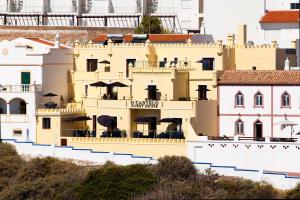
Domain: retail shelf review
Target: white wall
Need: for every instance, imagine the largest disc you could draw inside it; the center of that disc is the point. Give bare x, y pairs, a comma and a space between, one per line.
36, 150
229, 114
284, 33
252, 160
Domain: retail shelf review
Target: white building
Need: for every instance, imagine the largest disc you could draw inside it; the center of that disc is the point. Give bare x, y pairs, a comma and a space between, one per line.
252, 103
30, 68
282, 26
176, 15
223, 16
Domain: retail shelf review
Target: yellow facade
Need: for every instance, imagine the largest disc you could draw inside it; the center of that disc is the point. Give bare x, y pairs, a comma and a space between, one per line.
177, 70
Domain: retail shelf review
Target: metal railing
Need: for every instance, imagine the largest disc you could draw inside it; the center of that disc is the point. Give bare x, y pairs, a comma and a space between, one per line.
179, 64
259, 139
117, 133
24, 88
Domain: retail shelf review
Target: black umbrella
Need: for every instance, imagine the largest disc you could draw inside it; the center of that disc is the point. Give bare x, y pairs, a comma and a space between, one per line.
107, 121
171, 120
99, 84
78, 119
118, 84
50, 95
104, 62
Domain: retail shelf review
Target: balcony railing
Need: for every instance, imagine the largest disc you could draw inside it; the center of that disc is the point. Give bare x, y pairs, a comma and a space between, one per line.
179, 65
20, 88
14, 118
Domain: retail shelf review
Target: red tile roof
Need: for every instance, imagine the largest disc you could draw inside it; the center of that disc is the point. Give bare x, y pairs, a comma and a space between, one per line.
100, 38
46, 42
169, 37
283, 16
279, 77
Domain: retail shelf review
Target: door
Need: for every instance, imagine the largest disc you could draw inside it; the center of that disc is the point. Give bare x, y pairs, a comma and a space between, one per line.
258, 129
152, 127
25, 80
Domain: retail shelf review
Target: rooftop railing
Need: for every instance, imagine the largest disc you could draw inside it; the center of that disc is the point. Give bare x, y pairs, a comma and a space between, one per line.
179, 64
24, 88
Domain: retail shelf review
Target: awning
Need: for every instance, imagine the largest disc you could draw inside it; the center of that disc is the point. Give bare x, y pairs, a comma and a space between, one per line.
202, 90
99, 84
118, 84
145, 119
171, 120
50, 95
78, 118
107, 121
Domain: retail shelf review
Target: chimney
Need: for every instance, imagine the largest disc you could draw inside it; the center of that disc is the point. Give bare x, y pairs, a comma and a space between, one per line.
242, 34
57, 42
230, 39
287, 64
298, 52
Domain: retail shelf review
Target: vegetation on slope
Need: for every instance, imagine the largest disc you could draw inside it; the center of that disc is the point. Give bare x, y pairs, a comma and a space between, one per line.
172, 178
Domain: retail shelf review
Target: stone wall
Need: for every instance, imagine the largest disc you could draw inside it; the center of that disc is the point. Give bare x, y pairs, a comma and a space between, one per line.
67, 34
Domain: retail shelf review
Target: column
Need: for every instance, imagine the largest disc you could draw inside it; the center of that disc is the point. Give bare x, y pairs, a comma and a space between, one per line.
8, 109
128, 122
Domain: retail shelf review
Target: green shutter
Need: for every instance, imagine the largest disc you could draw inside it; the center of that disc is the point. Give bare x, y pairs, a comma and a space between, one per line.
25, 78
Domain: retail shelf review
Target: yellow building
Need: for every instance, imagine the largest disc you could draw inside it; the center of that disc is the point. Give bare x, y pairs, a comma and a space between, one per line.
142, 96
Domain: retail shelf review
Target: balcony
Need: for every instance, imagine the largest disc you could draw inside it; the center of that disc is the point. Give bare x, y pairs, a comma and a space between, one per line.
20, 88
183, 65
14, 118
139, 104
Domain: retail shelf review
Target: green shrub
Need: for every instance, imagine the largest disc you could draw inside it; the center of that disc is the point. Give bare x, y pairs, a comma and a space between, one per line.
294, 193
238, 188
116, 182
175, 167
42, 167
10, 161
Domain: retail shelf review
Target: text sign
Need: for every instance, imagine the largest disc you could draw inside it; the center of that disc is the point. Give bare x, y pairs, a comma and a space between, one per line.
144, 104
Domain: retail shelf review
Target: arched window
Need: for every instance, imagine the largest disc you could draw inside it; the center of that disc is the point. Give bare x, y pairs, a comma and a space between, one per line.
285, 100
258, 100
17, 106
239, 127
239, 99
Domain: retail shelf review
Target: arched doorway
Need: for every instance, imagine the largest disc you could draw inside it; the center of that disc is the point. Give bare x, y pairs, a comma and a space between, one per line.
17, 106
3, 106
258, 129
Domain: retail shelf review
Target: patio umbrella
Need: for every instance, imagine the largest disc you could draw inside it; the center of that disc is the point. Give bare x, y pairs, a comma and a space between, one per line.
118, 84
287, 122
177, 121
50, 95
104, 62
99, 84
107, 121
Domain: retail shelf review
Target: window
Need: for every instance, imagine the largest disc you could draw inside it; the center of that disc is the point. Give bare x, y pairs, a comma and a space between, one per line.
17, 132
202, 92
91, 65
152, 92
285, 100
129, 61
295, 5
86, 90
258, 100
46, 123
253, 67
208, 63
239, 127
239, 99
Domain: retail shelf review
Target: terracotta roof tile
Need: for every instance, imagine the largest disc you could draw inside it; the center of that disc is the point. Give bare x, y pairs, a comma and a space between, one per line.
100, 38
279, 77
46, 42
169, 37
283, 16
